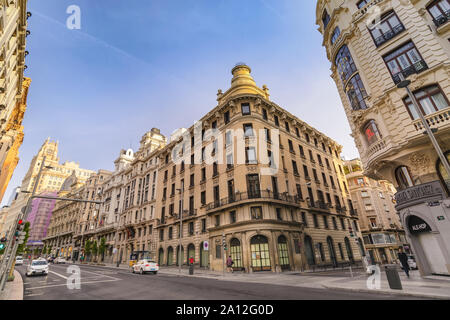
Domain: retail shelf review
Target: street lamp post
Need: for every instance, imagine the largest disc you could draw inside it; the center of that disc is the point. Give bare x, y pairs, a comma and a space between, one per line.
405, 84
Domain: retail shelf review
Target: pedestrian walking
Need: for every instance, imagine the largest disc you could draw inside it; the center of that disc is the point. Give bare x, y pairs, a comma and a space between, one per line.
230, 263
404, 261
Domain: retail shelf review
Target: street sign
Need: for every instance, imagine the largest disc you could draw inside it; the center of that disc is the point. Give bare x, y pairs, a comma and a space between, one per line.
205, 245
2, 246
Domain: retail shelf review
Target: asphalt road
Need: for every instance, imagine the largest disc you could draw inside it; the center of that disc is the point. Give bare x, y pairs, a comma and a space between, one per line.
99, 283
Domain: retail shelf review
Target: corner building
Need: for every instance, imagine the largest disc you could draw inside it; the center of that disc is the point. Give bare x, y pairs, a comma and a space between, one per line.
297, 218
369, 44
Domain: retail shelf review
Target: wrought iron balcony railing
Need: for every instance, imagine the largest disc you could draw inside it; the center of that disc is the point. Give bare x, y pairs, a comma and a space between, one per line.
417, 67
389, 35
442, 19
241, 196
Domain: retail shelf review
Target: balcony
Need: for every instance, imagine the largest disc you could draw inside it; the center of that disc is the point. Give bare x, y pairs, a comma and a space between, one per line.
340, 209
242, 196
417, 67
442, 19
376, 147
389, 35
353, 212
319, 204
435, 120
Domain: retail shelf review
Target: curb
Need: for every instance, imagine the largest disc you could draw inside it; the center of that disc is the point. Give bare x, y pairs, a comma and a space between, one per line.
384, 292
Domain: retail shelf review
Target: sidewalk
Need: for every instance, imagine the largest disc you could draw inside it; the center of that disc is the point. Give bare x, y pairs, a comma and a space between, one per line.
14, 289
432, 287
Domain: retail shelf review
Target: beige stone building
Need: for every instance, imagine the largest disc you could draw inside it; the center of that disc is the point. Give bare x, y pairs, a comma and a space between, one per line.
369, 44
73, 223
255, 178
13, 85
374, 201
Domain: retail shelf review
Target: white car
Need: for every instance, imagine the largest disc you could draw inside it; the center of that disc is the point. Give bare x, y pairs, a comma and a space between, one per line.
19, 260
59, 260
39, 266
145, 265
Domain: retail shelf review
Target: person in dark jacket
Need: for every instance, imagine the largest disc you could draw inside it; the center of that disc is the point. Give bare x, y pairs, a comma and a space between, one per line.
404, 261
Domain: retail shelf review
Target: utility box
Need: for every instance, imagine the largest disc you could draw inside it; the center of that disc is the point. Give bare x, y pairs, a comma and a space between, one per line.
393, 277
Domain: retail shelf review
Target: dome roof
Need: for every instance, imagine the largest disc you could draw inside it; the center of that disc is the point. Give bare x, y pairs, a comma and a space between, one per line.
67, 184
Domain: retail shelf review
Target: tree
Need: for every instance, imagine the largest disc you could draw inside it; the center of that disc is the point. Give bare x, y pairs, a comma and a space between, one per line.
95, 250
21, 247
102, 247
87, 248
44, 249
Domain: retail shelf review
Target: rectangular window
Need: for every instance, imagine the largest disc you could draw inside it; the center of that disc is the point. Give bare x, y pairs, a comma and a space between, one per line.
279, 217
251, 155
305, 221
217, 220
248, 130
203, 198
203, 225
286, 125
232, 216
291, 146
294, 167
226, 117
440, 11
256, 213
264, 114
218, 251
277, 122
405, 59
388, 27
245, 109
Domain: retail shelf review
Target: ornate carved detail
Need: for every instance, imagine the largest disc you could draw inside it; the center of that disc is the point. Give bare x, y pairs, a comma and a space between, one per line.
419, 162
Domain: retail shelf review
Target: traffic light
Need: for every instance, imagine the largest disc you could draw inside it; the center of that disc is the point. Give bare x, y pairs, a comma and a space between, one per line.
351, 232
2, 243
20, 234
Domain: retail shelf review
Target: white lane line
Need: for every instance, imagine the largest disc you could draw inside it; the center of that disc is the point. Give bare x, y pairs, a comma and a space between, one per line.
34, 295
59, 275
60, 285
97, 274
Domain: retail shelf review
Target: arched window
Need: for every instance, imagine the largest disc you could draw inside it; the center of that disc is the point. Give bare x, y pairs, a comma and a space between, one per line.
345, 64
356, 93
403, 178
325, 19
371, 132
283, 252
169, 256
349, 249
259, 247
431, 99
236, 254
309, 251
335, 35
442, 173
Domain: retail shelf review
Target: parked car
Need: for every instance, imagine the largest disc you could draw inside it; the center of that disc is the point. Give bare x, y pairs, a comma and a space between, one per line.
50, 259
19, 260
59, 260
36, 267
412, 262
144, 266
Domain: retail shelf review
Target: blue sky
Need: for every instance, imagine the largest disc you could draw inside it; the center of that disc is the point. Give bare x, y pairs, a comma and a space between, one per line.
138, 64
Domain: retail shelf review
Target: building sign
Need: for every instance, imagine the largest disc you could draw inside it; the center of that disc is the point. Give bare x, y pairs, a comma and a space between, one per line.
205, 245
427, 192
417, 225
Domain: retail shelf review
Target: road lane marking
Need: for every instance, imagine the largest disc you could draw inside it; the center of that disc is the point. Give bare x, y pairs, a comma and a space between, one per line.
60, 285
59, 275
82, 269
